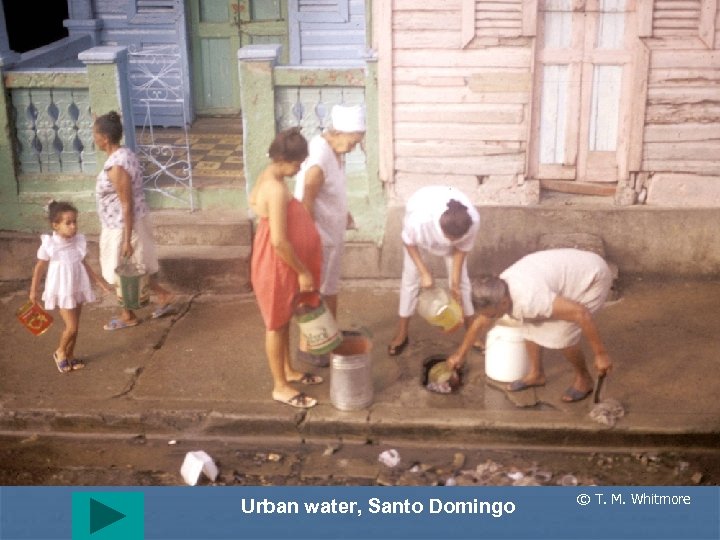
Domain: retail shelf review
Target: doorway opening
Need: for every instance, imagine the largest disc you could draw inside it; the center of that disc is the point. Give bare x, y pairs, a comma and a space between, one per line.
26, 31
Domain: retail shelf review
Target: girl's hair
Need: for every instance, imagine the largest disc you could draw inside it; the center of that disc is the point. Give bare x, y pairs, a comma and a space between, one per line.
456, 220
57, 208
289, 145
110, 125
488, 291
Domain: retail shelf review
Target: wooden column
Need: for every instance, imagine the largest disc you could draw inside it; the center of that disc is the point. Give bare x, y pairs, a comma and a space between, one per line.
382, 21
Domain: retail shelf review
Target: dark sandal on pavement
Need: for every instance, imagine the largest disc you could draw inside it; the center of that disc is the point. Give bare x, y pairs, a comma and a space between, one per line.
572, 395
520, 385
63, 365
395, 350
299, 401
309, 378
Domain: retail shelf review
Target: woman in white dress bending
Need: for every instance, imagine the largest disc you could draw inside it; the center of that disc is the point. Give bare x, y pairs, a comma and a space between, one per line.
67, 285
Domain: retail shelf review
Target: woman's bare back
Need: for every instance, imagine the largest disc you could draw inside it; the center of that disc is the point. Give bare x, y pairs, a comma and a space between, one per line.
266, 188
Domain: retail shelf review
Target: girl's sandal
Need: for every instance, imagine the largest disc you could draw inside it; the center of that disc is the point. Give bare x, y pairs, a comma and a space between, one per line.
63, 365
76, 364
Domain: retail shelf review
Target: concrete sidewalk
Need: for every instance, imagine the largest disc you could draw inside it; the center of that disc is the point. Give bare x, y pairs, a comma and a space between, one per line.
203, 372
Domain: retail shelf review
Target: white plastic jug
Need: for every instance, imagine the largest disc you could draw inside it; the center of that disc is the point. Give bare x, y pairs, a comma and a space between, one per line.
438, 308
506, 358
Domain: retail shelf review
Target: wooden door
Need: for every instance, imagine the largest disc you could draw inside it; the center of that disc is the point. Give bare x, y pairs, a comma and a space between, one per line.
215, 41
219, 28
583, 74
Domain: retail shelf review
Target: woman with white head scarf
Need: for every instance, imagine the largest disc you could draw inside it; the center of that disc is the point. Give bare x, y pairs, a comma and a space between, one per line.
322, 187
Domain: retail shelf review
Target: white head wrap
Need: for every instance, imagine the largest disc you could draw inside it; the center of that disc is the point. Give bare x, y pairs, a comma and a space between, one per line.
348, 118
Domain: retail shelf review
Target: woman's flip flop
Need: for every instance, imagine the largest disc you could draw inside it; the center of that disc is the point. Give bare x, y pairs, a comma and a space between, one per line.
299, 401
309, 378
395, 350
119, 324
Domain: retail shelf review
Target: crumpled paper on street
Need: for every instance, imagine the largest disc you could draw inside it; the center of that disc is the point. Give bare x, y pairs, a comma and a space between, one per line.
195, 464
389, 458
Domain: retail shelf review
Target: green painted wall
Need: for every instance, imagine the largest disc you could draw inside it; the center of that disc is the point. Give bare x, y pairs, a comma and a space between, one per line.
22, 202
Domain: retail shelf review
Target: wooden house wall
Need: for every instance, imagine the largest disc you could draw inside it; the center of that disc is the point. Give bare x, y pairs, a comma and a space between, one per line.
460, 102
118, 28
682, 120
461, 108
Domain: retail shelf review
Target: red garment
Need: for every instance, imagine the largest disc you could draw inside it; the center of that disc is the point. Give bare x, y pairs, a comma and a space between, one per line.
273, 280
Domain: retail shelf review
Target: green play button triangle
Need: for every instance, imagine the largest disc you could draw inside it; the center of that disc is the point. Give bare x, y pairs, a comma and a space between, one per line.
101, 516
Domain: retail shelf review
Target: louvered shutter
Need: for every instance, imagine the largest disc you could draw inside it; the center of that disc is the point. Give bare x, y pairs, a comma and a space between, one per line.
322, 10
498, 18
673, 18
155, 7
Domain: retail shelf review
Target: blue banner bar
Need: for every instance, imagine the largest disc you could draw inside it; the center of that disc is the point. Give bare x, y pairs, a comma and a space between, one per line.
285, 513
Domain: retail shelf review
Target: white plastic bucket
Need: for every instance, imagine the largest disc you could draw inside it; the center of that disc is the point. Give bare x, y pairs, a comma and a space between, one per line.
316, 323
505, 354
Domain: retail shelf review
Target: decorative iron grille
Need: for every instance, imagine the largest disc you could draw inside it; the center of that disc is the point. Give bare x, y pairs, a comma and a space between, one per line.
155, 75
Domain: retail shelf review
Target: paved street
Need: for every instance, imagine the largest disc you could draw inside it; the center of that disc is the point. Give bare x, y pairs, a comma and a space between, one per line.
136, 460
202, 375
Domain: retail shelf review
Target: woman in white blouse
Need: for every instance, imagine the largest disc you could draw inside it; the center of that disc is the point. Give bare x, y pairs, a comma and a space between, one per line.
126, 231
440, 221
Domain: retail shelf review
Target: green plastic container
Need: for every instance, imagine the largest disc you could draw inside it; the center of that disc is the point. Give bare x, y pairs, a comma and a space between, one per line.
132, 286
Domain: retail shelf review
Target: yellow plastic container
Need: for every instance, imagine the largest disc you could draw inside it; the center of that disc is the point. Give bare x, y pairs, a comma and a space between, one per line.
440, 309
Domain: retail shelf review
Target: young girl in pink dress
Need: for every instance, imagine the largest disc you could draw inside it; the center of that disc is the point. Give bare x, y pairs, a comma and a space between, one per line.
67, 285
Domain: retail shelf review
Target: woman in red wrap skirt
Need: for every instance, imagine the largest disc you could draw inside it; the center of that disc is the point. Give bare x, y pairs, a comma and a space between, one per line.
287, 258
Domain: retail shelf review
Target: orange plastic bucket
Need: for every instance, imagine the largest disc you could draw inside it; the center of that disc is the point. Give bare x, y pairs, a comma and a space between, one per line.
34, 318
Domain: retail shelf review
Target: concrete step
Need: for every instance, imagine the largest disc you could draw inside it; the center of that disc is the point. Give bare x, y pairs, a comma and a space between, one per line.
206, 251
203, 251
196, 268
202, 228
